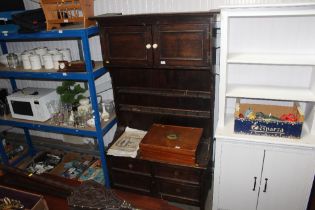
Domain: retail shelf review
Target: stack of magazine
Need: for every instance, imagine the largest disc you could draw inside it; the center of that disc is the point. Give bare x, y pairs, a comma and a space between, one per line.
128, 143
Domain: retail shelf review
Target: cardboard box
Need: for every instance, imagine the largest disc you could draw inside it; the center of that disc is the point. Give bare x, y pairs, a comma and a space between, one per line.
268, 127
72, 165
28, 200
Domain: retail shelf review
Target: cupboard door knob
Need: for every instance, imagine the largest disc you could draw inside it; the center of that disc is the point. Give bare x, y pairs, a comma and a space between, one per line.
254, 188
155, 46
148, 46
266, 183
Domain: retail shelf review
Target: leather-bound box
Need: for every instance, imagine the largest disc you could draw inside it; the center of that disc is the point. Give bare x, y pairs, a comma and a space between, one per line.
173, 144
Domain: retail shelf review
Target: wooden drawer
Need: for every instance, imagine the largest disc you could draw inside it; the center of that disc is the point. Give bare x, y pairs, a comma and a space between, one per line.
179, 192
131, 165
178, 173
134, 182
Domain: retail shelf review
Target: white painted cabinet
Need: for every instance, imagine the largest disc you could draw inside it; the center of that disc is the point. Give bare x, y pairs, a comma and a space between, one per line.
267, 55
250, 176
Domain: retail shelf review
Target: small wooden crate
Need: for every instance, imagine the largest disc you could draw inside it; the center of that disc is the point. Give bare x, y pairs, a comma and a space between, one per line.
269, 127
67, 11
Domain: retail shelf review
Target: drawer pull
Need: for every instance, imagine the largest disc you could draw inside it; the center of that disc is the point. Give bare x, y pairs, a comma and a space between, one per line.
130, 166
176, 173
178, 190
266, 183
254, 188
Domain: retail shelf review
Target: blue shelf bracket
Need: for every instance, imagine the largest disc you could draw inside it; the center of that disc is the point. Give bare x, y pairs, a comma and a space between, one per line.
4, 157
31, 150
4, 47
13, 84
92, 88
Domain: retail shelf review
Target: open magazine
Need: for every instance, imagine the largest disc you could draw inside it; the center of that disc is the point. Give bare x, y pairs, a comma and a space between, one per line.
128, 143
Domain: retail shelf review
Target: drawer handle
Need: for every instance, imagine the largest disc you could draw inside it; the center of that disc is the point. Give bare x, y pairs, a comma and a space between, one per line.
178, 190
148, 46
254, 188
130, 166
155, 46
266, 183
176, 173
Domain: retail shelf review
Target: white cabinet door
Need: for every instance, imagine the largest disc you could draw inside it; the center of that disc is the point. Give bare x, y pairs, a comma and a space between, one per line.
241, 167
290, 174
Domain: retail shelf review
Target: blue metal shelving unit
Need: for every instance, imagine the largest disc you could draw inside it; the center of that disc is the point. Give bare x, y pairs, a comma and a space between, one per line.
89, 76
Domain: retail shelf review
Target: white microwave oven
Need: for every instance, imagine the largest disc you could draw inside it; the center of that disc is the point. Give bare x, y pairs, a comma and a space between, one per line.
32, 103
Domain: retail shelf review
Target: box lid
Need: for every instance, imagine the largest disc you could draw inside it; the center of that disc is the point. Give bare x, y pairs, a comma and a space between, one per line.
176, 139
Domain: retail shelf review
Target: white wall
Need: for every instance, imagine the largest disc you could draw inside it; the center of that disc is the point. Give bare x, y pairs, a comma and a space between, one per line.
151, 6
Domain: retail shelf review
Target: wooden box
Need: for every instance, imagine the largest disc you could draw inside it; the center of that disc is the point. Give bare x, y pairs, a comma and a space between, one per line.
29, 200
59, 12
173, 144
269, 127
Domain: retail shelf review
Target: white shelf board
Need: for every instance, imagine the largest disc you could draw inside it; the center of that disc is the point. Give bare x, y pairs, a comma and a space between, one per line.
270, 92
271, 59
227, 133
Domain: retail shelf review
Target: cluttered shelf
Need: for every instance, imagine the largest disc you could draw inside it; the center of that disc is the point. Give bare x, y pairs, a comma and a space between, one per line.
53, 74
48, 126
227, 132
70, 31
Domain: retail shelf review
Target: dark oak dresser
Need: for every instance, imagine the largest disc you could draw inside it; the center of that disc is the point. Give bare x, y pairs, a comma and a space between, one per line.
161, 71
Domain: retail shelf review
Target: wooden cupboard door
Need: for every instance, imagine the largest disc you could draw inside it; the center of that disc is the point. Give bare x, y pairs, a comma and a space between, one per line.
182, 45
240, 172
127, 46
286, 180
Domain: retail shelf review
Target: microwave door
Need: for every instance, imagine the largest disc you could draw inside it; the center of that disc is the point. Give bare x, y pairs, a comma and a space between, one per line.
22, 108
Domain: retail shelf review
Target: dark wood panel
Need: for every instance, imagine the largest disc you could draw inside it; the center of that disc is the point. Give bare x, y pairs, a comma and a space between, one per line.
177, 173
126, 46
164, 79
165, 102
130, 164
165, 92
185, 45
179, 192
133, 182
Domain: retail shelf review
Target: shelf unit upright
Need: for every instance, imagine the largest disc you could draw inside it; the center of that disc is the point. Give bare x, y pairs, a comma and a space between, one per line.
267, 57
89, 76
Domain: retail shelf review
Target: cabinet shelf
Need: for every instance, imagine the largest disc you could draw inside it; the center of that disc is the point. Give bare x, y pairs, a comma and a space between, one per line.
68, 32
227, 132
46, 126
270, 92
272, 59
165, 92
166, 111
20, 73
